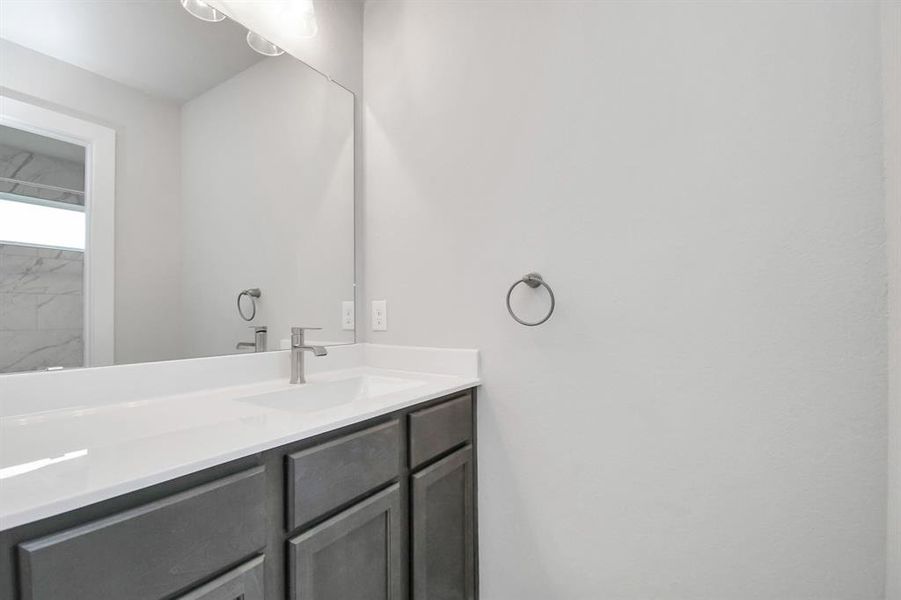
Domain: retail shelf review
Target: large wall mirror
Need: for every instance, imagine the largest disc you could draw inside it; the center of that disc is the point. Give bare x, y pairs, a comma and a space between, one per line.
166, 191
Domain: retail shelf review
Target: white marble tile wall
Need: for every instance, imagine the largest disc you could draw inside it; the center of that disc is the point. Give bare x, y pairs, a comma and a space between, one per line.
18, 163
41, 308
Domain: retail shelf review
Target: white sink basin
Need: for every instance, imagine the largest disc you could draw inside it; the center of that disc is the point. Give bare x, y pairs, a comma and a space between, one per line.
323, 395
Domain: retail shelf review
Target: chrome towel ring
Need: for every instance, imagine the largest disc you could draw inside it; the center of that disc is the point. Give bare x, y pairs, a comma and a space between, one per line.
533, 280
253, 294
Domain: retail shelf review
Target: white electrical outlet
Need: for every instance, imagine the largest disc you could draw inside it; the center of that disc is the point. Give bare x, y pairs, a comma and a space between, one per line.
379, 315
347, 315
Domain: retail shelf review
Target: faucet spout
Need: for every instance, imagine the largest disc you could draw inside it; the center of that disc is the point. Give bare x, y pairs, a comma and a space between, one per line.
260, 333
298, 348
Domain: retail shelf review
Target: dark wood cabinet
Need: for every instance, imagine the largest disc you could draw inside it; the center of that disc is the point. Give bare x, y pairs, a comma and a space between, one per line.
443, 526
329, 475
437, 429
244, 583
384, 509
355, 555
153, 550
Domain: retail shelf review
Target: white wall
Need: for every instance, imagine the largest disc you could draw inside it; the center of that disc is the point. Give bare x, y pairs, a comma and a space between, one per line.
891, 69
704, 417
147, 194
267, 187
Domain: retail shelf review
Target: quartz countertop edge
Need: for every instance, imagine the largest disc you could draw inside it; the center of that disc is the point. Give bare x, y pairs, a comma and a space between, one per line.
99, 474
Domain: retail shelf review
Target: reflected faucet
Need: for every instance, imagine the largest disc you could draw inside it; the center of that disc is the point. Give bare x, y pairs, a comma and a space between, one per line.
297, 350
260, 333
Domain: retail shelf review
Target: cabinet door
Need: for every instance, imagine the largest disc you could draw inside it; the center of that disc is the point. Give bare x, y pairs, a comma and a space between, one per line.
355, 555
244, 583
443, 527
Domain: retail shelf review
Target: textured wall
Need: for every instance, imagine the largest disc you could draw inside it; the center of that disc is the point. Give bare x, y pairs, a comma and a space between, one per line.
891, 71
704, 417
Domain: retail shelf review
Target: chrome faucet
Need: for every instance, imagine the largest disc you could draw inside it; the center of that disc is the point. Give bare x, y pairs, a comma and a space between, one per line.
260, 333
297, 350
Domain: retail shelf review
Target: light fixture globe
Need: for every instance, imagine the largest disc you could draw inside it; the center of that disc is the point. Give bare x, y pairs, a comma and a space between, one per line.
289, 19
262, 45
203, 11
307, 27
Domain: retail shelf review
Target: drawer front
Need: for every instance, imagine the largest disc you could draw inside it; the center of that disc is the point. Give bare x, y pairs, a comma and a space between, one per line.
152, 551
355, 555
439, 428
327, 476
243, 583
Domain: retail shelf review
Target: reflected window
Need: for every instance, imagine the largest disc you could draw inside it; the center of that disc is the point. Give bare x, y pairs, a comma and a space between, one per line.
42, 223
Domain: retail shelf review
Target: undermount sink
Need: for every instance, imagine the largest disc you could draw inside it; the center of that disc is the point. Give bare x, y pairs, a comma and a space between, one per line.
321, 395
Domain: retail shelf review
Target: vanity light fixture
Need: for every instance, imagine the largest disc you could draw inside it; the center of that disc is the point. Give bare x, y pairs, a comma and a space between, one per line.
262, 45
301, 18
203, 11
289, 19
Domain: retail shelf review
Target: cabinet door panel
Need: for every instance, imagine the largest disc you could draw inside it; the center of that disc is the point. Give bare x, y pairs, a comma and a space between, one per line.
243, 583
443, 527
355, 555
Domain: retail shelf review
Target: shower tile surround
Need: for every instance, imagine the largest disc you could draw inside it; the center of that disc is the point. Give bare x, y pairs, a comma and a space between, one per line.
18, 163
41, 289
41, 308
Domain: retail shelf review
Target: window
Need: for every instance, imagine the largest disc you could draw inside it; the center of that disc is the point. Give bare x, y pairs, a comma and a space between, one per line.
35, 222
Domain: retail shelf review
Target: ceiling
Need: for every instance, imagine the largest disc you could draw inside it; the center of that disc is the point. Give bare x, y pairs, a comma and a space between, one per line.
152, 45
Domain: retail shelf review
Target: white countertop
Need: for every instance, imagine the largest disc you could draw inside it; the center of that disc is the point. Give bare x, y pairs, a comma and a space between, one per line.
76, 453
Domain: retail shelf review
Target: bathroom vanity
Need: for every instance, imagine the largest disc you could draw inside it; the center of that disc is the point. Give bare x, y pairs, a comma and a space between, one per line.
175, 226
373, 498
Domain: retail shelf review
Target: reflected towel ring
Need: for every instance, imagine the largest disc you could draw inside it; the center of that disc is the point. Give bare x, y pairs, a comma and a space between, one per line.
253, 294
533, 280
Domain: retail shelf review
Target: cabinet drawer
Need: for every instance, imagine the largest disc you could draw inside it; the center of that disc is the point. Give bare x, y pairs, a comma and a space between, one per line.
439, 428
243, 583
327, 476
152, 551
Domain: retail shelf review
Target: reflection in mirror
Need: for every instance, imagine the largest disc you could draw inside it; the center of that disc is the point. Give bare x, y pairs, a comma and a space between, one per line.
165, 191
42, 240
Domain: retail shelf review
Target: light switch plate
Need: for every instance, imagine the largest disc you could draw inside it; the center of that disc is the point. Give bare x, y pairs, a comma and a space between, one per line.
379, 315
347, 315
